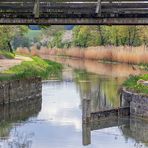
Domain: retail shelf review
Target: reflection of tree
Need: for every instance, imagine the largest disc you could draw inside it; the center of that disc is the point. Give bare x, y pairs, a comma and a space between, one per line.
16, 113
101, 90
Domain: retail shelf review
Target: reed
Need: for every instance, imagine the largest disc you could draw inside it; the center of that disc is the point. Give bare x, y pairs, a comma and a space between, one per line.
123, 54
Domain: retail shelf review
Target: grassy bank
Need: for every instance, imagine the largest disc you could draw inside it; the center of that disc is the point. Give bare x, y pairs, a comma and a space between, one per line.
6, 54
36, 67
133, 84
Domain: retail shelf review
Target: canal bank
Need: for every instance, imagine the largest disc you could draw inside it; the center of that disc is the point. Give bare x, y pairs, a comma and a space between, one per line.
60, 114
24, 79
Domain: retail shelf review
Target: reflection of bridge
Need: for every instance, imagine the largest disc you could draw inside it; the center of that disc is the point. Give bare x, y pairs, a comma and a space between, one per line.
73, 12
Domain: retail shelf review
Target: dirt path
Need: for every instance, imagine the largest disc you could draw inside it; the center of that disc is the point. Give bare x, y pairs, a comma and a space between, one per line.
8, 63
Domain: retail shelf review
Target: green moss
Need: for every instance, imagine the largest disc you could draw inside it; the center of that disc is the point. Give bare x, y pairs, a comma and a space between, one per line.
35, 68
132, 84
7, 54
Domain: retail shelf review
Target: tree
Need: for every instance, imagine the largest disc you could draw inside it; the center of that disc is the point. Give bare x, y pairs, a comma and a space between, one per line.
7, 34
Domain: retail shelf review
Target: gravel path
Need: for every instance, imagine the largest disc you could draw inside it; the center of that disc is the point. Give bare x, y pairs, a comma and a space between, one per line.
8, 63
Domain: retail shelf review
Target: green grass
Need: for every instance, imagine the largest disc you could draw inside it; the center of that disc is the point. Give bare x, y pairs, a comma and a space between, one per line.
144, 66
7, 54
131, 84
36, 68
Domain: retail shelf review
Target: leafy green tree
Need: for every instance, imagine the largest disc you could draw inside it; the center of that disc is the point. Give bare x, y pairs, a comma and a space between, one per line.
7, 34
57, 40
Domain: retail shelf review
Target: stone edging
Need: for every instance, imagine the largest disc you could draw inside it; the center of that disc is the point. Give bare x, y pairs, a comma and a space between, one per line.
137, 102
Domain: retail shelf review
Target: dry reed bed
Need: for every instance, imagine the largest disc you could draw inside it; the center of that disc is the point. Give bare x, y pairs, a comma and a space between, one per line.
130, 55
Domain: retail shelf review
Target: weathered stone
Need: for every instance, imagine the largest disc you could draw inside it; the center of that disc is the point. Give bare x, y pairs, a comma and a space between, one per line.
18, 90
138, 103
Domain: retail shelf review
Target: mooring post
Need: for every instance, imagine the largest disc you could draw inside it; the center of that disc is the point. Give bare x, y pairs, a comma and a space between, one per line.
86, 120
36, 10
86, 110
98, 8
86, 133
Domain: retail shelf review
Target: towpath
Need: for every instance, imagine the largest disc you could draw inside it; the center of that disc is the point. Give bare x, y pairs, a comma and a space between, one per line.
8, 63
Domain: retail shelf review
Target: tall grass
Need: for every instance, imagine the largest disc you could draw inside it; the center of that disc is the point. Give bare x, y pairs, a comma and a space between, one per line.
7, 54
130, 55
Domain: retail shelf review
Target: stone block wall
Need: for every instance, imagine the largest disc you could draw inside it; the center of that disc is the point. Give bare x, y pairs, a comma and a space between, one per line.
18, 90
138, 103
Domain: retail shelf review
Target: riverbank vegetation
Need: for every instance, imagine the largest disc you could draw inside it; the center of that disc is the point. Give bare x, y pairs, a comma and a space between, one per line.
134, 55
8, 34
125, 44
86, 36
35, 68
134, 83
5, 54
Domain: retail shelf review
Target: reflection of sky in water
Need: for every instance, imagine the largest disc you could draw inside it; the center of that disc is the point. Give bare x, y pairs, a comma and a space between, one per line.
58, 125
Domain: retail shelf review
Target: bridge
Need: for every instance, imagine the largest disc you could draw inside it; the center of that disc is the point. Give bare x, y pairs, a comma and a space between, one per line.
92, 12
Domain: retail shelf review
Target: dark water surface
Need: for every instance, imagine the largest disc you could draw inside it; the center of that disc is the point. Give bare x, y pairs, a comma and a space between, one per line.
55, 121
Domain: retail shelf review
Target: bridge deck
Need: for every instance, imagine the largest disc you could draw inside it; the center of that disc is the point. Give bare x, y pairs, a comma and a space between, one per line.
74, 12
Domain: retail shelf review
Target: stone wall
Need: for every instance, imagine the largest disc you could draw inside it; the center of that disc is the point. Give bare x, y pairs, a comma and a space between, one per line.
18, 90
138, 103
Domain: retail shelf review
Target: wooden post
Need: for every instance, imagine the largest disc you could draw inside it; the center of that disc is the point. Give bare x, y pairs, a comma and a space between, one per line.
86, 133
86, 110
36, 10
98, 8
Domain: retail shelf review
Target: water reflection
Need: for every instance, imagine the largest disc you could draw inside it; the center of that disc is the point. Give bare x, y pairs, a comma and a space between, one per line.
102, 90
15, 114
107, 69
131, 128
55, 121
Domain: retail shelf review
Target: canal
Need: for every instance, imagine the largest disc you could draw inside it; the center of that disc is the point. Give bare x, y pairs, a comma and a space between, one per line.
55, 120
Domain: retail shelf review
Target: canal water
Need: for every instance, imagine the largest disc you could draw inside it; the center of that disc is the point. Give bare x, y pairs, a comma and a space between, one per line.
55, 120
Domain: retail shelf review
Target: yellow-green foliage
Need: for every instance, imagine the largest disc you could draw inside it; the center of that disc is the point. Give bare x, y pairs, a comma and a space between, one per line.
132, 84
35, 68
7, 54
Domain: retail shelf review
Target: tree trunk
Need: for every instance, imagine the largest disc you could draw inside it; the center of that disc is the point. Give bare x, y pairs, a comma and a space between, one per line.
10, 47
